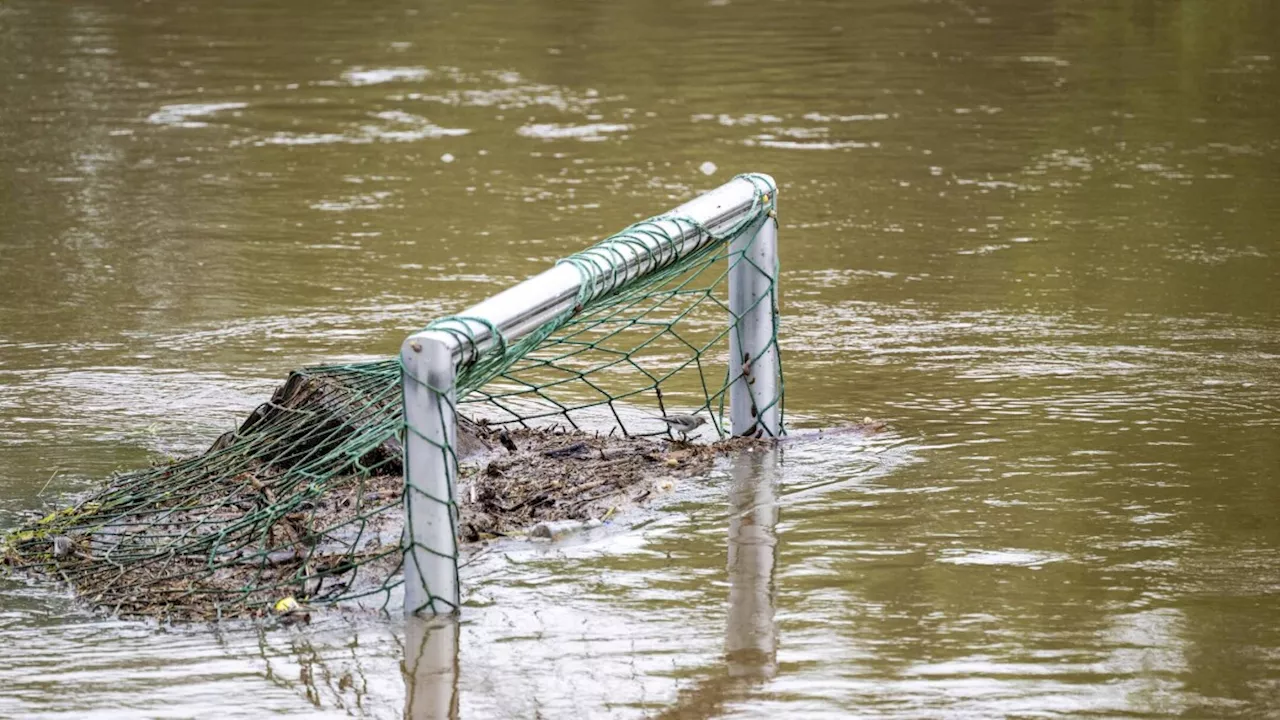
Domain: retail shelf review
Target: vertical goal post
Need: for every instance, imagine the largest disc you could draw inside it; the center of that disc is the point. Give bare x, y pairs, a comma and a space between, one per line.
741, 213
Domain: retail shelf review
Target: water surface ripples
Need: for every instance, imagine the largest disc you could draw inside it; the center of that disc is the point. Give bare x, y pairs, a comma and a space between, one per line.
1036, 240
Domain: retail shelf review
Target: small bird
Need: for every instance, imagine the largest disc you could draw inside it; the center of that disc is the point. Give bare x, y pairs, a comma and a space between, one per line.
62, 546
684, 424
504, 437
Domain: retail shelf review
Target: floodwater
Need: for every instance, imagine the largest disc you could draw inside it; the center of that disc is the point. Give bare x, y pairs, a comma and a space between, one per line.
1039, 238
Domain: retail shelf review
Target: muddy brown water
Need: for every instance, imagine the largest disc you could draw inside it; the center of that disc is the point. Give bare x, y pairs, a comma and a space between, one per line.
1038, 238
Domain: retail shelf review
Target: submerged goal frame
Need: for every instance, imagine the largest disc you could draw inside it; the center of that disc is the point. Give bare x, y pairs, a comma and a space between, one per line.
432, 358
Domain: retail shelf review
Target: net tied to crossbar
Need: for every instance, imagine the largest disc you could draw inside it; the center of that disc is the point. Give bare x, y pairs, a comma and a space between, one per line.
305, 499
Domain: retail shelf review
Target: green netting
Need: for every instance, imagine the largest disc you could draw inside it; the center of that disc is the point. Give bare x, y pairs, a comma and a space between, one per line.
304, 499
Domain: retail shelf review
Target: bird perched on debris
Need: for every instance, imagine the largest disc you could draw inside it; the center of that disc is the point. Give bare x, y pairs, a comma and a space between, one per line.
504, 437
684, 424
62, 546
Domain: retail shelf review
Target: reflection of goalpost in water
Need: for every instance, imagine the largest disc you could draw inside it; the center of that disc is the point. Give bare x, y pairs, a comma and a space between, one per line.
584, 324
432, 646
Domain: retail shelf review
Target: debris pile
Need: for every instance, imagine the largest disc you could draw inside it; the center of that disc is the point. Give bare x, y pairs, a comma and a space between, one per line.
234, 544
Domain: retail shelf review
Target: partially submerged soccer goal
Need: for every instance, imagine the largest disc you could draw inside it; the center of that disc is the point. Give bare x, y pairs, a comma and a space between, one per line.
349, 474
599, 337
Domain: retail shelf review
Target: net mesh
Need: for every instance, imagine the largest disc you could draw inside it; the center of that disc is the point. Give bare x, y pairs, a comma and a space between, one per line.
305, 499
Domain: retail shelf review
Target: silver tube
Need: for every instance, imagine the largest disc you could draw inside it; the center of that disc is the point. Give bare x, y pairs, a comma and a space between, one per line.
755, 406
431, 471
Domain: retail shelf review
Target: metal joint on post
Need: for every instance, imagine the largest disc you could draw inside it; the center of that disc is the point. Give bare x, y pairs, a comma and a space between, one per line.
755, 402
431, 473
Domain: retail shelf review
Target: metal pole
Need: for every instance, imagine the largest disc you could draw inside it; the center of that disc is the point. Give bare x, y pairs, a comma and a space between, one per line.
431, 472
755, 407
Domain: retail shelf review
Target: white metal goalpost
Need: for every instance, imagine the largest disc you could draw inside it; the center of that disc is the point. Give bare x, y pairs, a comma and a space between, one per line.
432, 358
